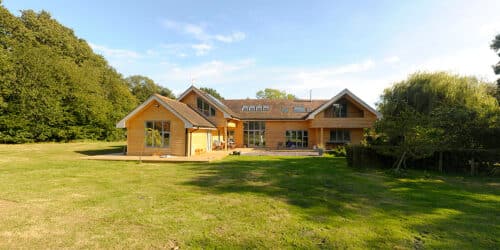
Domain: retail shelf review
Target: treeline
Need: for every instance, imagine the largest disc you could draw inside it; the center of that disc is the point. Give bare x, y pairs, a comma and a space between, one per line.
53, 87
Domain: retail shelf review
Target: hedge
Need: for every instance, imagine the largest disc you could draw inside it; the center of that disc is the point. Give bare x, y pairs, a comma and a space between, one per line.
457, 161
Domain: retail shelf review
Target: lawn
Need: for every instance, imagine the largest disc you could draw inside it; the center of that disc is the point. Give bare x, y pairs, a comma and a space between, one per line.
50, 198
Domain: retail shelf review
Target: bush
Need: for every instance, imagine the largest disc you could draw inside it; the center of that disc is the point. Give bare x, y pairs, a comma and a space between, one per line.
458, 161
339, 151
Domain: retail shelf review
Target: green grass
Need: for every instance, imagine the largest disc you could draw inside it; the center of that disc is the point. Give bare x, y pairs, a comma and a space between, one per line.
49, 198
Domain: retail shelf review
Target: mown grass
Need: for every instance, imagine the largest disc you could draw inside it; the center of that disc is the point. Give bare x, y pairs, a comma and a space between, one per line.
50, 198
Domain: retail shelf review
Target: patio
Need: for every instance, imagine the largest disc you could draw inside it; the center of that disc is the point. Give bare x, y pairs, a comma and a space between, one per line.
205, 157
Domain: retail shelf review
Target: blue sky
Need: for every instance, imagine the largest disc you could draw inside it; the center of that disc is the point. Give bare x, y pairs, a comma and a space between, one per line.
239, 47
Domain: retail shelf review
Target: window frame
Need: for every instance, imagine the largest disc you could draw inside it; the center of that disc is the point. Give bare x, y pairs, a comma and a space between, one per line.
204, 107
162, 133
340, 133
299, 138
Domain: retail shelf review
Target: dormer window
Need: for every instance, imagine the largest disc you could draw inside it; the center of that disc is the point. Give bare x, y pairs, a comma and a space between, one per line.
251, 108
299, 109
265, 107
204, 107
244, 108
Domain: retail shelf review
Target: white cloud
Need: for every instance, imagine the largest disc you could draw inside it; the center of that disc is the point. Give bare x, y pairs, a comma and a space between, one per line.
391, 59
201, 49
215, 71
115, 53
199, 32
233, 37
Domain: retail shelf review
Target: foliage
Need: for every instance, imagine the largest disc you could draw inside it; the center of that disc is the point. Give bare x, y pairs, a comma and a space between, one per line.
143, 87
212, 92
435, 111
339, 151
52, 86
454, 161
269, 93
495, 45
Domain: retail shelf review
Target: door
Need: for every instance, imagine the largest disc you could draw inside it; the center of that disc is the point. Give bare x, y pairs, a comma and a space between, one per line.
209, 141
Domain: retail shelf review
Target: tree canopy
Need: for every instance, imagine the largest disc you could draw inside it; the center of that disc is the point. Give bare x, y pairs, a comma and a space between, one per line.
269, 93
143, 87
437, 111
495, 45
53, 87
212, 92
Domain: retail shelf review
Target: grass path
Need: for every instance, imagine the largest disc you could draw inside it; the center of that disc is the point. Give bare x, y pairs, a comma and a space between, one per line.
49, 198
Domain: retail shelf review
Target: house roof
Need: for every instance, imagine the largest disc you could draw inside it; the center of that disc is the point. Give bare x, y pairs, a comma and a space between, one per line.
189, 116
228, 113
278, 109
337, 97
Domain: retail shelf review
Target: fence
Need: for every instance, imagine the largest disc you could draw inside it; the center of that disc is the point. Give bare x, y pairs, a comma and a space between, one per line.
458, 161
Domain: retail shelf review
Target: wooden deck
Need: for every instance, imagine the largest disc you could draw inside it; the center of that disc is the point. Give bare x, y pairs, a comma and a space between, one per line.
206, 157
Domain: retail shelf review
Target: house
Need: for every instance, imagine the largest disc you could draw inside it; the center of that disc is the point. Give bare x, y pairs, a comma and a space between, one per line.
197, 122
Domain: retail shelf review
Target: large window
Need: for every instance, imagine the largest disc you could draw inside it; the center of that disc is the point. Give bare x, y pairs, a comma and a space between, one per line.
254, 133
296, 138
157, 134
340, 135
204, 107
338, 109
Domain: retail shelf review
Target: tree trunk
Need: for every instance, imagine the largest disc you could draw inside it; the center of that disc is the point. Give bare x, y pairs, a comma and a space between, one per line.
440, 164
400, 161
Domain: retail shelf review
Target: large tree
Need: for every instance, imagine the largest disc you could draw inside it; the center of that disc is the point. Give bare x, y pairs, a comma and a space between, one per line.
53, 87
143, 87
212, 92
495, 45
431, 112
269, 93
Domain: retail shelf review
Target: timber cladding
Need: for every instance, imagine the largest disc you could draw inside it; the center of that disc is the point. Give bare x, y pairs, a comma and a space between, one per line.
136, 131
194, 132
275, 131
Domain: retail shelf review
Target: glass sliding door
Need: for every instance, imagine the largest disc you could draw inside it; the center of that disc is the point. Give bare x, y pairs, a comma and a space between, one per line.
296, 138
254, 133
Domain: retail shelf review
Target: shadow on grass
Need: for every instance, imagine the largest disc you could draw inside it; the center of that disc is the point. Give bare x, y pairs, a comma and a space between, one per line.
105, 151
437, 213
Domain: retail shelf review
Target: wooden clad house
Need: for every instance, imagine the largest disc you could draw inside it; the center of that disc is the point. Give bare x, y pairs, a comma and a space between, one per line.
197, 122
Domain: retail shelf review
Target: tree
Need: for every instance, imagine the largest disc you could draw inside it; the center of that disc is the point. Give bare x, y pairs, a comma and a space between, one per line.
143, 87
212, 92
431, 112
53, 87
269, 93
495, 45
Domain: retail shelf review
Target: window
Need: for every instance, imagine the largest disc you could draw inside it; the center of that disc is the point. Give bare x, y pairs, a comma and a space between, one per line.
257, 108
284, 109
204, 107
340, 135
338, 109
254, 133
296, 138
157, 134
299, 109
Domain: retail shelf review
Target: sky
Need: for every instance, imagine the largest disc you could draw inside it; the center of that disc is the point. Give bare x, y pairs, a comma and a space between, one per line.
240, 47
